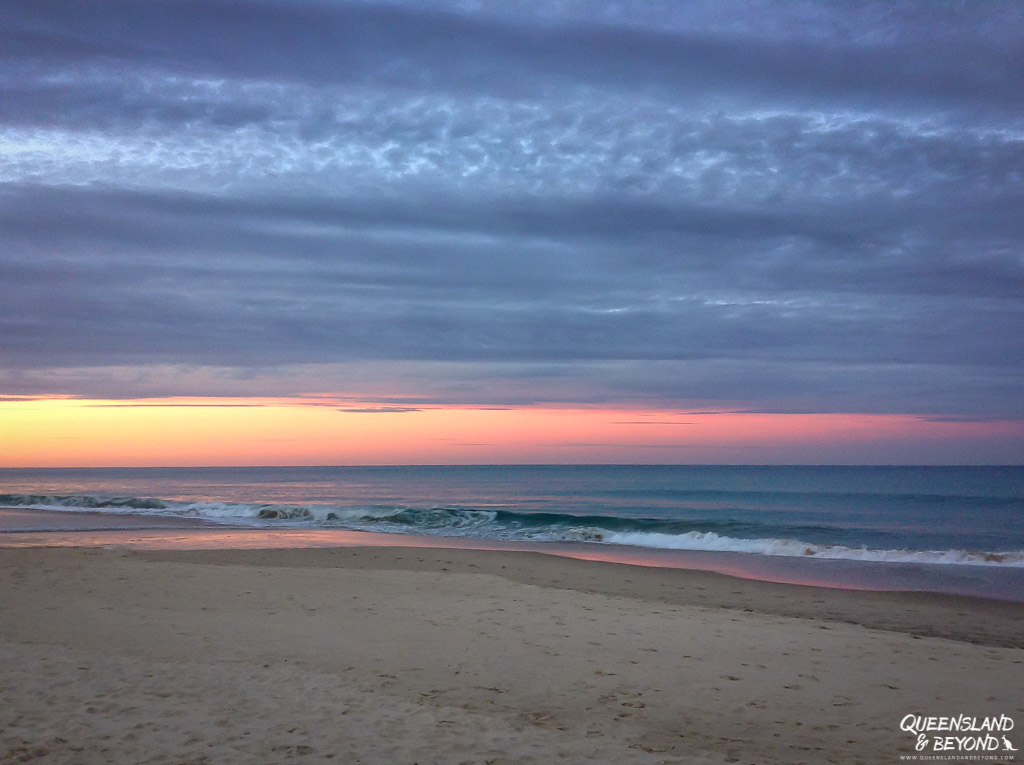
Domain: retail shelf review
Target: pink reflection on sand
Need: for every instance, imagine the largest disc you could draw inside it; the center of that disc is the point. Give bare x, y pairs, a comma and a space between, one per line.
221, 538
717, 562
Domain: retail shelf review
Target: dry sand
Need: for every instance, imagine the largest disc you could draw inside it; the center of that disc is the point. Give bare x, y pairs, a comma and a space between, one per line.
407, 655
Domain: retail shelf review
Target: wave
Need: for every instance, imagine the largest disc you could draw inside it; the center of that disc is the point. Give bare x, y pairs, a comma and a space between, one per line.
709, 541
250, 514
725, 535
80, 502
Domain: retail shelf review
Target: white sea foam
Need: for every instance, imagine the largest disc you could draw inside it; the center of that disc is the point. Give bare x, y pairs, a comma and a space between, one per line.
402, 517
457, 521
709, 541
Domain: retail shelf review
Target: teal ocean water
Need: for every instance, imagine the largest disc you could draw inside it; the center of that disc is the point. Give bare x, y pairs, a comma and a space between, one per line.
964, 516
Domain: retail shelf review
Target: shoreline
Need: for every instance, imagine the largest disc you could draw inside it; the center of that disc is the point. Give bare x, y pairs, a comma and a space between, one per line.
29, 527
747, 582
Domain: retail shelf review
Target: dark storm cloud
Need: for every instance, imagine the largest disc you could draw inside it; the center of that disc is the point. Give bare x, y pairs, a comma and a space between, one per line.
778, 206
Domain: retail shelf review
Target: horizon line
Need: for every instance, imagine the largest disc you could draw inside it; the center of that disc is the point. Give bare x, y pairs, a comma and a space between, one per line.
528, 464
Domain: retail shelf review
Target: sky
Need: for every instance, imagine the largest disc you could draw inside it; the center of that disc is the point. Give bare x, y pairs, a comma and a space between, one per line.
325, 232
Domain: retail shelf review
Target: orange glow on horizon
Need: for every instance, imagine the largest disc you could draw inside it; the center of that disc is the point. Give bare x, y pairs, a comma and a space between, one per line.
68, 432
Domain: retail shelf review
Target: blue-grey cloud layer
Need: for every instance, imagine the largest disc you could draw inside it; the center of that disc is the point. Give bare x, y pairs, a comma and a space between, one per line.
787, 206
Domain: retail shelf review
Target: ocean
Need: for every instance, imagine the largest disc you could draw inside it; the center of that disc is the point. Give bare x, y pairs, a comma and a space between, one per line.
957, 518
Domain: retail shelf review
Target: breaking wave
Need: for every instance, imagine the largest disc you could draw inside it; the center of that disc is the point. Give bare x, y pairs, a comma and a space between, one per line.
507, 524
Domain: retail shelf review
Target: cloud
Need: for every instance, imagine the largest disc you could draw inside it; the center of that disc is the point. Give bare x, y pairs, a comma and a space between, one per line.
195, 279
650, 422
408, 45
747, 386
381, 410
767, 206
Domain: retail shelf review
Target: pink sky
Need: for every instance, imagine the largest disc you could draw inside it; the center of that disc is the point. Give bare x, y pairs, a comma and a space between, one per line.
56, 431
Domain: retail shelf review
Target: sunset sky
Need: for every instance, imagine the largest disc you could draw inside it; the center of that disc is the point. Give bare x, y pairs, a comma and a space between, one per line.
325, 232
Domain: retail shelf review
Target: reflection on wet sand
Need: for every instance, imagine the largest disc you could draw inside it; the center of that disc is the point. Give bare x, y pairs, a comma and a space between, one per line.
40, 528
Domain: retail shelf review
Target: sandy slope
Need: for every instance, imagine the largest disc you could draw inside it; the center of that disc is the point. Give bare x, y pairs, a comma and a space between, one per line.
383, 655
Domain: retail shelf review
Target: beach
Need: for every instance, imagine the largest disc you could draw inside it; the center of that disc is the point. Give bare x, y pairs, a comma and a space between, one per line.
431, 655
598, 382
